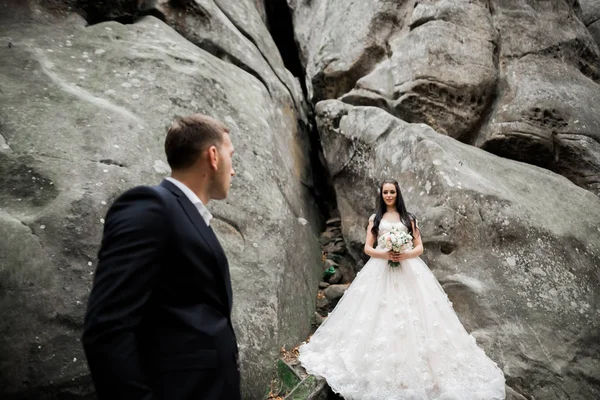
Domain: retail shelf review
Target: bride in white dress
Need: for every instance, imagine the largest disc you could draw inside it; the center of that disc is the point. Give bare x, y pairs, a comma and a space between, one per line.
394, 334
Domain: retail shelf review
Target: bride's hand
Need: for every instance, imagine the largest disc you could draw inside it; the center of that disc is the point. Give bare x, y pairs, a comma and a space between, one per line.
405, 255
393, 256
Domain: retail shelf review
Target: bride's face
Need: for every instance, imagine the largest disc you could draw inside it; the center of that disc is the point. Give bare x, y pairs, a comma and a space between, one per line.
389, 194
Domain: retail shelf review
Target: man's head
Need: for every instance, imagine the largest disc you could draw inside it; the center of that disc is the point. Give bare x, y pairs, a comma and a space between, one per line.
199, 148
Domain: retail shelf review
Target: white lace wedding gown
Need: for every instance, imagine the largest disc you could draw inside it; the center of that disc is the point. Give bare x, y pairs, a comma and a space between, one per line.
395, 336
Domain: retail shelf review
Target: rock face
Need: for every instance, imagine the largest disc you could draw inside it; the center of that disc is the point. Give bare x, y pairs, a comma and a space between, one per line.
590, 16
428, 92
516, 247
83, 115
517, 78
548, 76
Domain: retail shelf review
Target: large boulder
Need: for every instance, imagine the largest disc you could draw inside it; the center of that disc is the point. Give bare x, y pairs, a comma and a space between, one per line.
341, 41
590, 16
83, 115
518, 78
544, 111
440, 68
516, 247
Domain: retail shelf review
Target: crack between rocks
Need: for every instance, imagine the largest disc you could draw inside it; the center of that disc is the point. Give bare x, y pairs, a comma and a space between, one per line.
6, 142
423, 79
108, 161
232, 224
421, 23
593, 22
563, 135
583, 180
575, 136
212, 48
347, 162
529, 53
251, 40
38, 238
480, 214
225, 56
389, 129
578, 63
456, 111
523, 133
368, 90
434, 18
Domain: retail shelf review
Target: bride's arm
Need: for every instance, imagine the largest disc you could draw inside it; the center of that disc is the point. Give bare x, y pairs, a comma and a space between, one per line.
369, 241
417, 249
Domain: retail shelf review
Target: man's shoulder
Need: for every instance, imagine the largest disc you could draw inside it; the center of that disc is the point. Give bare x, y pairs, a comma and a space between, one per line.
141, 191
140, 202
144, 194
147, 191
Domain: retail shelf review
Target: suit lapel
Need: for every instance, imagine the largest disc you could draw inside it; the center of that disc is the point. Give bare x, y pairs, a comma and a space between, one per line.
207, 235
220, 254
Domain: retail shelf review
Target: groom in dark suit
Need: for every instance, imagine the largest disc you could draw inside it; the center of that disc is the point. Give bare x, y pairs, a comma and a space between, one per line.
158, 322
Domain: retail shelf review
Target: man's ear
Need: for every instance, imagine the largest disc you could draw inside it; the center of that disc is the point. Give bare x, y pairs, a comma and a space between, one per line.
213, 157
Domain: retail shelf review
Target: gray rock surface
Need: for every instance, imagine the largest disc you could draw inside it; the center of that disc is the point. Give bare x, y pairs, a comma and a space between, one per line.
441, 71
590, 16
341, 41
544, 111
516, 247
235, 32
83, 111
335, 292
517, 78
83, 116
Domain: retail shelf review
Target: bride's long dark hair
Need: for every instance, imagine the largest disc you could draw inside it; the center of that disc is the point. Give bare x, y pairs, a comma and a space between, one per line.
406, 217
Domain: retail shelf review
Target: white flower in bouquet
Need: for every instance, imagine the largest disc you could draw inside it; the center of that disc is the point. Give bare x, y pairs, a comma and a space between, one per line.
397, 241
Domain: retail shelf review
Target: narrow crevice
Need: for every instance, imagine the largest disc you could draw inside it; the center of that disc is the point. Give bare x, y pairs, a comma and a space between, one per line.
222, 54
348, 161
103, 11
421, 22
4, 144
249, 37
592, 22
112, 162
153, 12
95, 14
281, 27
323, 191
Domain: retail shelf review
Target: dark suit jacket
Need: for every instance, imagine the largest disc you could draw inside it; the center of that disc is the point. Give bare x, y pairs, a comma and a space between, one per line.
158, 322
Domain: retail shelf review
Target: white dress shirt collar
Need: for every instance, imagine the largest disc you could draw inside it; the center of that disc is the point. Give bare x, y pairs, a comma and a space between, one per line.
204, 213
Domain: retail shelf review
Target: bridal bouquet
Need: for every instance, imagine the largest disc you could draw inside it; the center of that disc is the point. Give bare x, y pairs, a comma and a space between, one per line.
397, 241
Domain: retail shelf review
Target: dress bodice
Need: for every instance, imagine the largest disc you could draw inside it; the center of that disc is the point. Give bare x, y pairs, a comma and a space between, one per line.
386, 226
